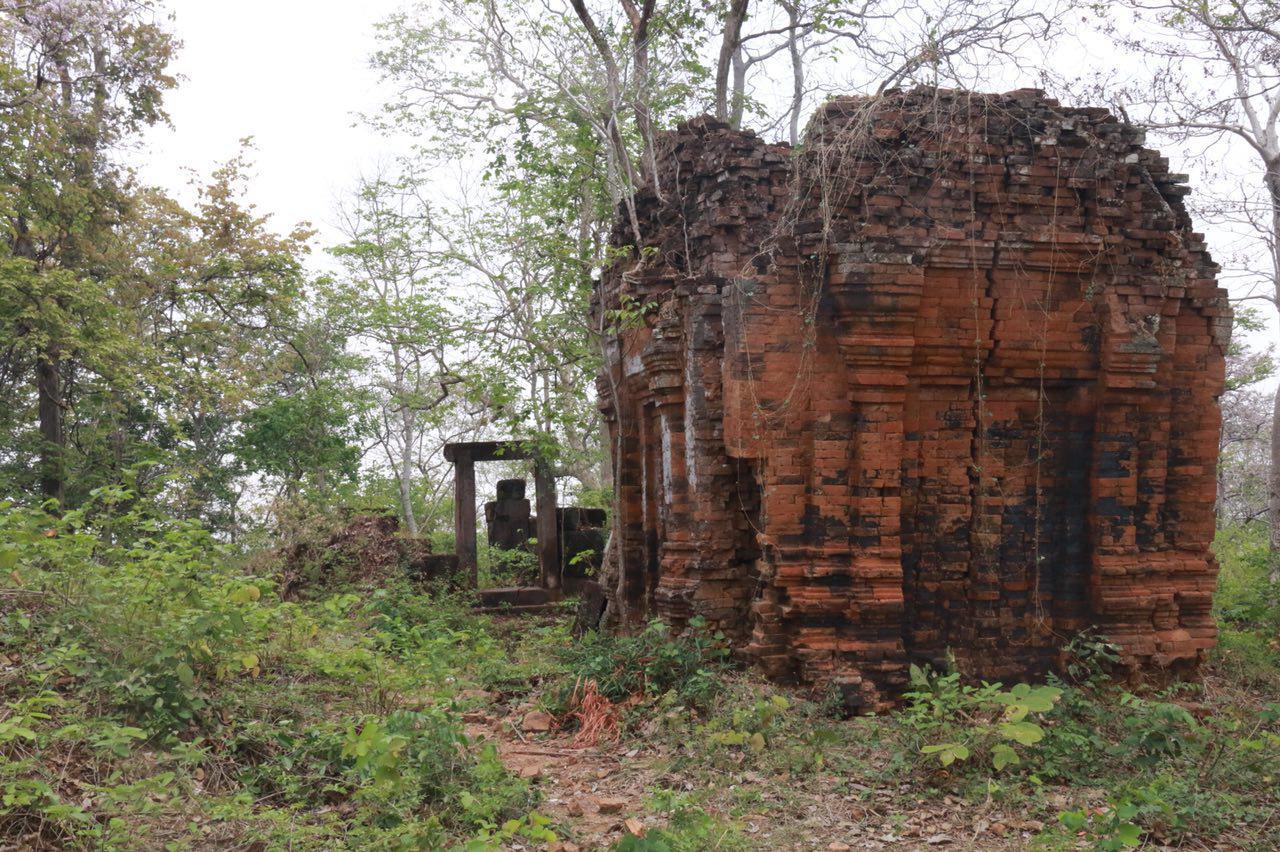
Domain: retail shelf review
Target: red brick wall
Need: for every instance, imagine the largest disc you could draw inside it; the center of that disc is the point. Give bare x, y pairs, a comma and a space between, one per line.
944, 379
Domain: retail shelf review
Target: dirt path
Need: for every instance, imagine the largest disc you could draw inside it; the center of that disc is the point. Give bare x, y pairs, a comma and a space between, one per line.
598, 794
585, 789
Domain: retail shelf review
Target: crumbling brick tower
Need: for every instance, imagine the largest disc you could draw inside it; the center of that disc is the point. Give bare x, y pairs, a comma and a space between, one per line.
945, 379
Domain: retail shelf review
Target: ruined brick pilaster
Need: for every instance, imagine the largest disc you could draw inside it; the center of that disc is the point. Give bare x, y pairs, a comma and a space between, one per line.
943, 380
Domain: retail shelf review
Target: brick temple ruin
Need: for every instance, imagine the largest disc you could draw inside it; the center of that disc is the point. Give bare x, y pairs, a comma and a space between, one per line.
943, 380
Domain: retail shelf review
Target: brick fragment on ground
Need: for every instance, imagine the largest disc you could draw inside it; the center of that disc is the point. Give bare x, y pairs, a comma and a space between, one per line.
946, 378
611, 805
537, 722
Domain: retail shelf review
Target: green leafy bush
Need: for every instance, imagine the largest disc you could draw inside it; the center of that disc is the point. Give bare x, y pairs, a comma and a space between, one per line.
749, 727
1246, 596
1171, 774
507, 567
652, 662
142, 610
1110, 829
1247, 607
983, 725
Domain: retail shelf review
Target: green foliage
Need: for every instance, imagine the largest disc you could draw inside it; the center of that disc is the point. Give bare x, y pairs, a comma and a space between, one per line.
1247, 366
751, 727
1155, 730
337, 720
532, 828
1246, 598
160, 326
1180, 775
305, 435
144, 620
996, 726
689, 829
1108, 830
171, 665
651, 663
1247, 606
1090, 657
502, 567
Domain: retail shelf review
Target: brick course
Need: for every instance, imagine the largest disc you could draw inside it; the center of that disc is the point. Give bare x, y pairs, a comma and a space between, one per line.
943, 380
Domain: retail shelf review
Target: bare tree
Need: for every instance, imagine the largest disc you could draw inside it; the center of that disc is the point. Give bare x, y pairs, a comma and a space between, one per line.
1244, 446
637, 98
875, 45
1214, 76
393, 299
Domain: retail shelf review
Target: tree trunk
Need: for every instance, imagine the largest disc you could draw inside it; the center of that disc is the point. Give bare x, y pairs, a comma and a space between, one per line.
738, 94
797, 70
1273, 482
644, 120
406, 472
52, 435
729, 43
48, 393
612, 132
407, 429
1273, 478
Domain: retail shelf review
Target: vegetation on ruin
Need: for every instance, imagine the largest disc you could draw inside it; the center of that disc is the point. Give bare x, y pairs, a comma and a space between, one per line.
196, 400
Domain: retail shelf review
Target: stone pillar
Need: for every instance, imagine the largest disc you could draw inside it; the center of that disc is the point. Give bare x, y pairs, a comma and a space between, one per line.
464, 515
507, 517
544, 485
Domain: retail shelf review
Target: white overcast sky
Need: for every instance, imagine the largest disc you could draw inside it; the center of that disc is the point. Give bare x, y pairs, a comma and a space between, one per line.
291, 74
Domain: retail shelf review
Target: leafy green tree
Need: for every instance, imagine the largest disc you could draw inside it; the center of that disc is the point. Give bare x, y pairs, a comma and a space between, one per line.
77, 79
304, 437
221, 300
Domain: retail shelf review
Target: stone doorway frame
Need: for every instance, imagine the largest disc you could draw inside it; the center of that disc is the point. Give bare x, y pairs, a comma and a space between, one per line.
463, 456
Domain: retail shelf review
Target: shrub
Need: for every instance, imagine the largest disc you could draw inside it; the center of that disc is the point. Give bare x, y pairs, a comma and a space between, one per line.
502, 567
750, 727
978, 725
143, 611
651, 663
1247, 607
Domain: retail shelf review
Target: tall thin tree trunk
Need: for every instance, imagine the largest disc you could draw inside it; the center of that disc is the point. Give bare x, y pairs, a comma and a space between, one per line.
797, 70
407, 442
1273, 501
52, 433
738, 95
729, 44
406, 472
644, 118
48, 393
1273, 479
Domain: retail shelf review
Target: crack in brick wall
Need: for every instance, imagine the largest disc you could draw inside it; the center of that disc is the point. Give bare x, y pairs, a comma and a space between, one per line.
942, 380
